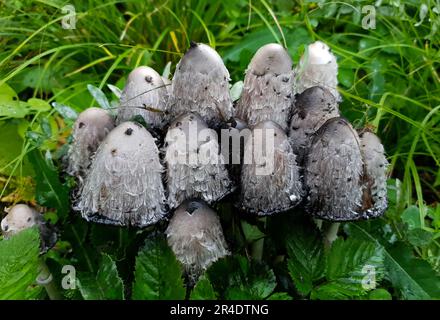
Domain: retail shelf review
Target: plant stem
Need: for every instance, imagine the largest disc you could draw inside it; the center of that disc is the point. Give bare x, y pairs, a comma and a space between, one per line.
258, 245
331, 234
45, 279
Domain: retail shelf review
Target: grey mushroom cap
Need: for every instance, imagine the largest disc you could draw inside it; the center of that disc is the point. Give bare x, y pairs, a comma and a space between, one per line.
89, 129
268, 87
196, 237
144, 95
318, 67
313, 108
270, 179
195, 166
333, 172
375, 175
201, 84
124, 185
21, 217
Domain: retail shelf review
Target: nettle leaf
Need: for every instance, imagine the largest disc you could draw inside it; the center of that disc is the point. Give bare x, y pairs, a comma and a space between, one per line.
50, 192
158, 274
19, 266
99, 96
353, 268
106, 284
237, 278
251, 232
306, 261
203, 290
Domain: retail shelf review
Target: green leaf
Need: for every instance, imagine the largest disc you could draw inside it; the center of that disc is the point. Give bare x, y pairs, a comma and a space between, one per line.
99, 96
236, 90
38, 105
158, 274
379, 294
251, 232
49, 190
115, 90
280, 296
353, 267
306, 261
411, 216
203, 290
19, 265
65, 111
106, 284
13, 108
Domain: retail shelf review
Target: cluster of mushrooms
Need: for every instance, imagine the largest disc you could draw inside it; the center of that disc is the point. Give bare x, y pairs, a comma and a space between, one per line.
128, 175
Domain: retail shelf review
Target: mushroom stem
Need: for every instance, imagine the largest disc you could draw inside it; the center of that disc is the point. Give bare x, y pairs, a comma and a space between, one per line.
331, 234
258, 245
318, 223
45, 279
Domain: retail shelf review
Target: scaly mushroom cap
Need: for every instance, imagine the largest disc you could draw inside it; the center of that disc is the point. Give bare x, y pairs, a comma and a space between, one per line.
270, 180
21, 217
201, 84
268, 87
124, 185
195, 235
90, 128
333, 172
312, 109
375, 178
195, 166
318, 67
144, 95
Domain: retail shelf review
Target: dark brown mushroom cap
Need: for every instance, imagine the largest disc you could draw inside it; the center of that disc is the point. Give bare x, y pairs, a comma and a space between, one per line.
144, 95
333, 171
124, 184
195, 166
312, 109
268, 87
195, 235
270, 180
89, 129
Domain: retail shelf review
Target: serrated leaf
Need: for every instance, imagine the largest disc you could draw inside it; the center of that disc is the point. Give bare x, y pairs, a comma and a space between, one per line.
99, 96
106, 284
280, 296
158, 274
306, 261
19, 265
203, 290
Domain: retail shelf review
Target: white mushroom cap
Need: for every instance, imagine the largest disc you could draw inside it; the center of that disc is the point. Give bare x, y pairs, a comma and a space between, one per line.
124, 185
145, 95
201, 84
20, 217
90, 128
319, 53
195, 235
268, 87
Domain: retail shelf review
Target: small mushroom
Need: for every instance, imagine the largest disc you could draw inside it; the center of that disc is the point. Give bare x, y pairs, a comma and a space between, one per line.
90, 128
318, 67
195, 235
124, 184
375, 179
144, 95
201, 84
270, 180
313, 108
21, 217
195, 166
268, 87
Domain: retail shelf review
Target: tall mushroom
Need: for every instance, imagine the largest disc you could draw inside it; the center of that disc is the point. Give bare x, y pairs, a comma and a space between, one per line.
144, 95
270, 180
268, 87
195, 235
318, 67
195, 166
201, 84
90, 128
124, 184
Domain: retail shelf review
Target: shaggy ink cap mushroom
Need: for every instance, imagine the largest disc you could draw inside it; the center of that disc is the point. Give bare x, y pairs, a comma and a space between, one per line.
21, 217
268, 87
196, 237
89, 129
124, 185
145, 95
195, 166
201, 84
270, 179
318, 67
313, 108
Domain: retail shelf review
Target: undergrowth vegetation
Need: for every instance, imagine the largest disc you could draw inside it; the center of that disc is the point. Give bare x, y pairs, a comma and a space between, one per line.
389, 80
